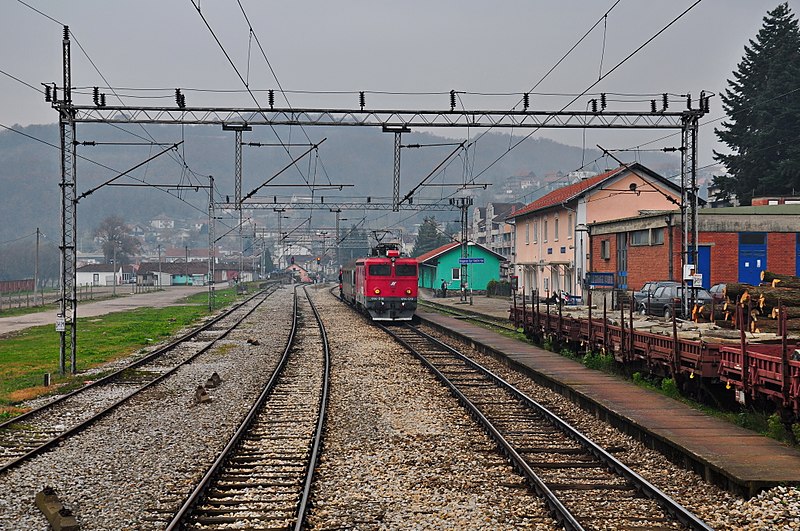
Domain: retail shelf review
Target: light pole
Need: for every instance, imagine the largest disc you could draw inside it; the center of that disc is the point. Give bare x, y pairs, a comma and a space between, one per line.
580, 257
159, 266
114, 271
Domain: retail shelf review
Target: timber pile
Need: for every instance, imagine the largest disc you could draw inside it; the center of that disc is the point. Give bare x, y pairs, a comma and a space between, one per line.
762, 304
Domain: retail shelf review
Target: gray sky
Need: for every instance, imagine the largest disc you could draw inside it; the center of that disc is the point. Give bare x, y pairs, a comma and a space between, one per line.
350, 45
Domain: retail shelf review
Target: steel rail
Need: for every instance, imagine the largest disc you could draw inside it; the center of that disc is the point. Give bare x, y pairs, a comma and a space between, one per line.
182, 516
303, 506
465, 315
150, 357
112, 407
673, 508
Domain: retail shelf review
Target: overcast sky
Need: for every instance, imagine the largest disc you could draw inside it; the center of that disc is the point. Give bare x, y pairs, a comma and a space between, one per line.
406, 47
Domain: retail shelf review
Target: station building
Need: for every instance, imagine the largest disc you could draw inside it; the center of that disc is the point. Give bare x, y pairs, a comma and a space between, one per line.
551, 242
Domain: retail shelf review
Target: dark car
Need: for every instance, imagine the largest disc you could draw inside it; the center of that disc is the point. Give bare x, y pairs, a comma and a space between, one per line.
665, 298
640, 297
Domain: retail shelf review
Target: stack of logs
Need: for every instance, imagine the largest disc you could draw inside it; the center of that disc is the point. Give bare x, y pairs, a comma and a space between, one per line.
762, 304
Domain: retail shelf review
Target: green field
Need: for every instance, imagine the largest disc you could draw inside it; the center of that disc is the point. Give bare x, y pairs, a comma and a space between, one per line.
27, 355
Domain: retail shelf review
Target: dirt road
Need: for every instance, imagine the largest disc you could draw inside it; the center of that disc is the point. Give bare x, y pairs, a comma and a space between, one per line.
155, 299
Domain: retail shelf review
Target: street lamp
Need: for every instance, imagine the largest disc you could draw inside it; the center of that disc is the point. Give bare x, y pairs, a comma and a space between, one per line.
581, 229
115, 242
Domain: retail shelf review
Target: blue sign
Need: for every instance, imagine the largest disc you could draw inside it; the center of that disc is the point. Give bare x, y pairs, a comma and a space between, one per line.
470, 260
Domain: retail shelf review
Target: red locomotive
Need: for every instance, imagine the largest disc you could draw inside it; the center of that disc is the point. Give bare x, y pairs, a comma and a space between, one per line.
383, 285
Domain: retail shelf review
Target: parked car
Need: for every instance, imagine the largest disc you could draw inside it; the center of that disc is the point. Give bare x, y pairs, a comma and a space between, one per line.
717, 291
665, 298
649, 288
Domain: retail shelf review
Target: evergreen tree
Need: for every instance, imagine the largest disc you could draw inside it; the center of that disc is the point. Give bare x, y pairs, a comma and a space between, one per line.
429, 237
763, 106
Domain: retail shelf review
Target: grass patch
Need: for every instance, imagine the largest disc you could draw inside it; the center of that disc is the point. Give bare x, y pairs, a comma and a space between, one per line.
27, 355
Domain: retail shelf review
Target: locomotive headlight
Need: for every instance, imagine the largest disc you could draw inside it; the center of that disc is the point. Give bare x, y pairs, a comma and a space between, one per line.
408, 291
377, 291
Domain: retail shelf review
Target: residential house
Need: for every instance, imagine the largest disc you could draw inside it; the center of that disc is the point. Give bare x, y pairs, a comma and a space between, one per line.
551, 233
103, 275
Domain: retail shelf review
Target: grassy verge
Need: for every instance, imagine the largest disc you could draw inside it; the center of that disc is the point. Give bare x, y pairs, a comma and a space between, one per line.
26, 356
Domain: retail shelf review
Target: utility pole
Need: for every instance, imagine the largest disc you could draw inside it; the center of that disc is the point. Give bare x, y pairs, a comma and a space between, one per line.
211, 251
159, 266
280, 212
114, 270
463, 203
36, 269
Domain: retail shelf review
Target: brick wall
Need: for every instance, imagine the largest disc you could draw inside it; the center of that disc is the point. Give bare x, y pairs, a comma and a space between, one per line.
724, 255
781, 253
651, 262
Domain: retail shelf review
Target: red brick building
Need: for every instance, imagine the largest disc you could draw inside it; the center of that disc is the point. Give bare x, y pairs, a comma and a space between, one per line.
734, 245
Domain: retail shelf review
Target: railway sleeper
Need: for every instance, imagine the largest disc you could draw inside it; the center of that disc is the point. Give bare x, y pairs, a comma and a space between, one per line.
222, 485
571, 464
591, 486
546, 450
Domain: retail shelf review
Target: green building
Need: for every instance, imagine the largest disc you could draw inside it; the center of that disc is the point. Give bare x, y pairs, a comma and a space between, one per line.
444, 264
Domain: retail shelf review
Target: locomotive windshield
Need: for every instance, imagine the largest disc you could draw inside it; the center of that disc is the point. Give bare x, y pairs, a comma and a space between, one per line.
380, 270
406, 270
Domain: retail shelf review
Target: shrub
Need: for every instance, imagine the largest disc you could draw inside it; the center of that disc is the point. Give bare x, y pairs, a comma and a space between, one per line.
796, 432
775, 428
599, 361
638, 379
670, 388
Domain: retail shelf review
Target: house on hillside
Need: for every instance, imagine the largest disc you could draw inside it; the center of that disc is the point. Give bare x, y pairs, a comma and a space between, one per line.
444, 263
490, 229
551, 242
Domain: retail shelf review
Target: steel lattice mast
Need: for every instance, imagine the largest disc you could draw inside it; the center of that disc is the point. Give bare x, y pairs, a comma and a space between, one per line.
66, 323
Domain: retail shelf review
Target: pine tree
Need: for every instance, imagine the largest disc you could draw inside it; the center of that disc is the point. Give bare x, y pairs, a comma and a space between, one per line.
429, 237
762, 102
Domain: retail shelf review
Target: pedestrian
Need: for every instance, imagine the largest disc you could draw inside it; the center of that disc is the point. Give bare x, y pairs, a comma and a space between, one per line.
444, 289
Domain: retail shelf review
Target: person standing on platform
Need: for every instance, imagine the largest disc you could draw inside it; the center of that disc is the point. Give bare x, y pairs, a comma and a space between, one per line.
444, 289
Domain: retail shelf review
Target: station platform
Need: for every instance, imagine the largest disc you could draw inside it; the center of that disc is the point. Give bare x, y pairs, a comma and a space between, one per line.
736, 459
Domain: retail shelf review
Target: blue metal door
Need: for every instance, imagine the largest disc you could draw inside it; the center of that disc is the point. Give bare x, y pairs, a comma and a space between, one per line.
752, 256
704, 264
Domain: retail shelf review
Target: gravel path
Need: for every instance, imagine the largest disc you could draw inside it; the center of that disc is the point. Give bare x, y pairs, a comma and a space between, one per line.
134, 468
400, 453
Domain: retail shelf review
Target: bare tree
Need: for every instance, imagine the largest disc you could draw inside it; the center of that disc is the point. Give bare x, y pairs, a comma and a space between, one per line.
115, 236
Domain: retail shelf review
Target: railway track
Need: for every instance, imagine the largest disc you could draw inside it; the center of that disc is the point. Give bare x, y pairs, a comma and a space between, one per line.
262, 479
40, 429
583, 485
466, 315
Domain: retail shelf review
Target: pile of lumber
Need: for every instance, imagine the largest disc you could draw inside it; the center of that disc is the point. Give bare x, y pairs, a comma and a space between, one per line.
762, 304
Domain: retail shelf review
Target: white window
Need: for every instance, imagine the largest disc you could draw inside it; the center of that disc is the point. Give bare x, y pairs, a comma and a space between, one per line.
657, 236
605, 250
535, 231
527, 233
570, 227
555, 229
456, 273
544, 232
640, 237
